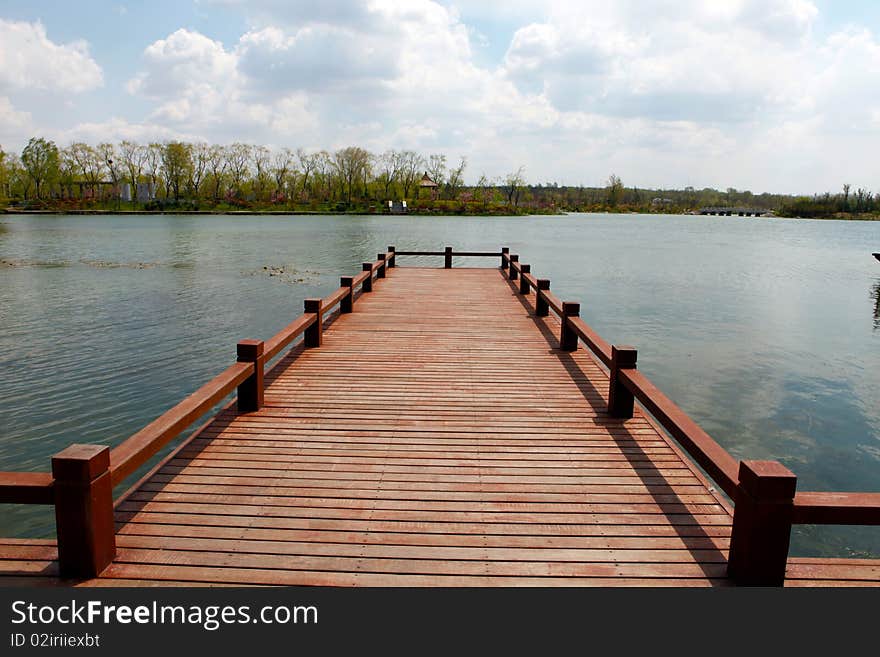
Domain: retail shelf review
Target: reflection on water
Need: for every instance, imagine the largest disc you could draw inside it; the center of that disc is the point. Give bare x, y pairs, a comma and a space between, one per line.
757, 328
875, 297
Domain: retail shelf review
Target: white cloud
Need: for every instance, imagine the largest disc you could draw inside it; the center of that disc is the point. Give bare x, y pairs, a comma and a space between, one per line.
13, 123
30, 60
666, 93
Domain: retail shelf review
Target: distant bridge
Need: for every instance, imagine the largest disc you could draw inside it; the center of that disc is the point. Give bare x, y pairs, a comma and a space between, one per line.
734, 211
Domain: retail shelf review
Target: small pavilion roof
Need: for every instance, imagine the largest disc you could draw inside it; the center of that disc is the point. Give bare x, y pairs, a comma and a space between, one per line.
427, 182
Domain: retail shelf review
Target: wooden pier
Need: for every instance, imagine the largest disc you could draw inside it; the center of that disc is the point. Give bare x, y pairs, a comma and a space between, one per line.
433, 427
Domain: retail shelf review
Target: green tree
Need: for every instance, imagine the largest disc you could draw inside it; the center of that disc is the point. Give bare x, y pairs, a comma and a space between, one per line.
350, 164
176, 165
41, 160
614, 191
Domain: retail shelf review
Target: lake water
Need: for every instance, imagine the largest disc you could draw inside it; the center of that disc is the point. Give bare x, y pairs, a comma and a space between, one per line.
766, 331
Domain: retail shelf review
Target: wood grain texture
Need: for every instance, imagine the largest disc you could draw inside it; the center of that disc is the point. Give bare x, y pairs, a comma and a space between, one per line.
438, 437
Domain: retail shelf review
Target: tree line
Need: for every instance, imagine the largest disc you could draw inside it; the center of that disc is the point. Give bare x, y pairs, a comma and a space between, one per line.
199, 175
211, 173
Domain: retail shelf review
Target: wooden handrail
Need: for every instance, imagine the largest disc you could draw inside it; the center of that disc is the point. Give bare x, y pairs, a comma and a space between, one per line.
288, 334
142, 446
329, 301
711, 456
816, 508
139, 448
596, 344
26, 488
471, 254
745, 482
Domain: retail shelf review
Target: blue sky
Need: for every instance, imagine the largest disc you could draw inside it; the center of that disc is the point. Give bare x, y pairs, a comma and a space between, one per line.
769, 95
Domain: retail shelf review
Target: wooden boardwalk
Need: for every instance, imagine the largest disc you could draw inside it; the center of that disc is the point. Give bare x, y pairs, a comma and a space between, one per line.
437, 437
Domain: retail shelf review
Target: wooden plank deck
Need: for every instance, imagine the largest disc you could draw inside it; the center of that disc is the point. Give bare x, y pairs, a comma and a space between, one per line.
437, 437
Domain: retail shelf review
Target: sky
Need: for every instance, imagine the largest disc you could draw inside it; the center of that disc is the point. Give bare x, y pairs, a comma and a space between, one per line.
768, 95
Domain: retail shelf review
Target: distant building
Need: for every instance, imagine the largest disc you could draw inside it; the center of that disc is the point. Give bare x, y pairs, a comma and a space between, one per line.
125, 192
427, 183
146, 192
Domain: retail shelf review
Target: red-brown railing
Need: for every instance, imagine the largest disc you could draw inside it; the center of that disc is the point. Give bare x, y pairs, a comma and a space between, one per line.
765, 502
80, 485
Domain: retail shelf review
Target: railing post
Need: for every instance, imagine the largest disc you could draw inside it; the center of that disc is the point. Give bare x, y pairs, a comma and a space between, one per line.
391, 263
505, 251
368, 281
620, 399
83, 510
513, 274
380, 270
447, 261
762, 515
523, 283
250, 392
314, 334
568, 339
542, 308
347, 302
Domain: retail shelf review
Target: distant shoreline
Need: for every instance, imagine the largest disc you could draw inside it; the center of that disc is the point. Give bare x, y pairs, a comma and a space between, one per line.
417, 213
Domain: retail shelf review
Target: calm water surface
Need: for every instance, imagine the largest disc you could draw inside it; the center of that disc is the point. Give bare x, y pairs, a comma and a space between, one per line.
766, 331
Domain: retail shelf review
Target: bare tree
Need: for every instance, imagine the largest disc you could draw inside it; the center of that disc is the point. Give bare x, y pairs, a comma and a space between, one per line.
89, 163
237, 158
513, 186
134, 156
410, 166
217, 166
200, 154
437, 168
280, 168
349, 164
389, 164
113, 164
322, 171
456, 178
261, 157
307, 164
155, 151
67, 169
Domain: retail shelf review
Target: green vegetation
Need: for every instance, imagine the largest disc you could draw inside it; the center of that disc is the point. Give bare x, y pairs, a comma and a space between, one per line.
859, 205
198, 177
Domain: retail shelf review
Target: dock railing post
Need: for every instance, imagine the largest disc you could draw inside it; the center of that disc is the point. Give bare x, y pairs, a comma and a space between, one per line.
513, 274
568, 339
542, 308
368, 281
313, 335
83, 510
347, 302
250, 392
391, 263
620, 399
505, 252
762, 518
380, 271
447, 260
523, 283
